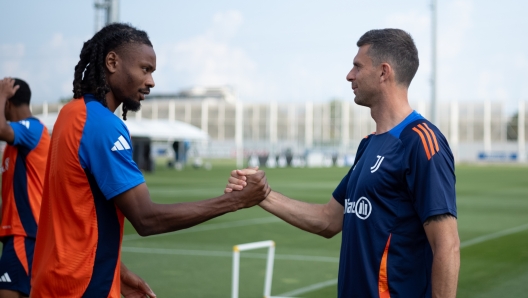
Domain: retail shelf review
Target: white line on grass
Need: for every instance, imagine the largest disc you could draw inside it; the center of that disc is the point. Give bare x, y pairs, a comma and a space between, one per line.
213, 253
181, 252
493, 236
211, 227
309, 288
264, 220
464, 244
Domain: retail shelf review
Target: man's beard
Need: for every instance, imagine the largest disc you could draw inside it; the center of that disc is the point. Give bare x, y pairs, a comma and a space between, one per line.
131, 105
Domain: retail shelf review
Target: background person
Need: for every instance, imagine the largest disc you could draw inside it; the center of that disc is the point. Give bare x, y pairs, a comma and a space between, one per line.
23, 168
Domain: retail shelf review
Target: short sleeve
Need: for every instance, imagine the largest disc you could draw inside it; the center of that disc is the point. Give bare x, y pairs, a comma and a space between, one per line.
339, 193
107, 155
27, 133
430, 173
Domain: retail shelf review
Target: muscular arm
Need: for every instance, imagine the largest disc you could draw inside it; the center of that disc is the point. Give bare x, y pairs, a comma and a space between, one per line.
149, 218
322, 219
442, 234
7, 90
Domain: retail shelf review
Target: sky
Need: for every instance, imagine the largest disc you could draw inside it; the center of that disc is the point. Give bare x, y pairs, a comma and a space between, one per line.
283, 51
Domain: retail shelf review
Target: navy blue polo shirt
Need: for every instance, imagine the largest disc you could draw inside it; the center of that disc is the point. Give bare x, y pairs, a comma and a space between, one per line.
398, 180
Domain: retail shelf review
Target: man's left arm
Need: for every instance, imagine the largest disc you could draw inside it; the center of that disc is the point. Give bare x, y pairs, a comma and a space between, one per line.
442, 233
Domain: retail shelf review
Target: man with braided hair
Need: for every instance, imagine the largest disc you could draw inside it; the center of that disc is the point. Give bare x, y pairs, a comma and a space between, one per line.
92, 182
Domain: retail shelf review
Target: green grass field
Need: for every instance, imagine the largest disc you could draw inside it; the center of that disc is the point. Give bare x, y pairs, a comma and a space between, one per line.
493, 226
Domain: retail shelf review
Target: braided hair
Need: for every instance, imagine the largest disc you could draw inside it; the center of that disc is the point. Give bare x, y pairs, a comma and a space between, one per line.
90, 75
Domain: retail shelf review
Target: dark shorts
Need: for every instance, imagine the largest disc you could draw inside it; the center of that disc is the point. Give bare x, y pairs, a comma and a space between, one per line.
15, 263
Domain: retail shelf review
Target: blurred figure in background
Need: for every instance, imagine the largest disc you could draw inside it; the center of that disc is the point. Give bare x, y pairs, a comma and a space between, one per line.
23, 169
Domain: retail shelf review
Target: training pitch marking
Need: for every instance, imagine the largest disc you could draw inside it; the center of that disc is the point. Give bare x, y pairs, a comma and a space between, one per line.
492, 236
213, 253
299, 291
464, 244
310, 288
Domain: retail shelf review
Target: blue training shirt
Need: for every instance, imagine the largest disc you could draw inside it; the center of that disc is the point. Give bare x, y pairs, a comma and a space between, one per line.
398, 180
106, 150
78, 247
27, 132
23, 170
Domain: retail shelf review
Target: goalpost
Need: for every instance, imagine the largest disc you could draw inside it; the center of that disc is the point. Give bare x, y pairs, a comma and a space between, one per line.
269, 265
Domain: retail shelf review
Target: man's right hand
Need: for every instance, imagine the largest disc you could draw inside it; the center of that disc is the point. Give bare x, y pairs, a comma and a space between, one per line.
255, 187
7, 89
322, 219
238, 179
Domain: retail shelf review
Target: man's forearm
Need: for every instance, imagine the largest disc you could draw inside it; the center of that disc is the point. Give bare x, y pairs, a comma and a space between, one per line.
3, 120
446, 264
165, 218
313, 218
149, 218
6, 132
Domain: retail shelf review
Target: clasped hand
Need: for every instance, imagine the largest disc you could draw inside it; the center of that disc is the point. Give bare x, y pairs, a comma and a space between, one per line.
250, 185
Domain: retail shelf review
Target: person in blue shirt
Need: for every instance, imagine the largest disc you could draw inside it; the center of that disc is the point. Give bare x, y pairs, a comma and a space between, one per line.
396, 206
23, 169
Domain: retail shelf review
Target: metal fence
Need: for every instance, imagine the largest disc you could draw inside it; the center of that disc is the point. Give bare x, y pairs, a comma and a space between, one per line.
476, 131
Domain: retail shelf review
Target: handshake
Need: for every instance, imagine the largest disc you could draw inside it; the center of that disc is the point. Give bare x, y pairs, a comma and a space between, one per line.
248, 187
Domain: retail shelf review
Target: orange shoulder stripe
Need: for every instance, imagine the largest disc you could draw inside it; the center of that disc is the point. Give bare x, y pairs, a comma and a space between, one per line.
428, 139
383, 281
423, 142
434, 137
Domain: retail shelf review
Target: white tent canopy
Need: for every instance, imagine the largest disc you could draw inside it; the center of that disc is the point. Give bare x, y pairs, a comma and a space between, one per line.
156, 130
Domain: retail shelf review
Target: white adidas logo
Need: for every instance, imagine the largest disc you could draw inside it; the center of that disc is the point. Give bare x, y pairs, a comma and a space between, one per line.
5, 278
120, 144
25, 123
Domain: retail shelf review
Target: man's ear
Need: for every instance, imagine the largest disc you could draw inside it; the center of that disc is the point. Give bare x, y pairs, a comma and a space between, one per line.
111, 61
386, 72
